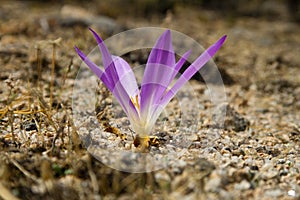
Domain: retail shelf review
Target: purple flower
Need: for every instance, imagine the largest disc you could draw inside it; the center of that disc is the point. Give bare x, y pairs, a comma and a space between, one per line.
144, 105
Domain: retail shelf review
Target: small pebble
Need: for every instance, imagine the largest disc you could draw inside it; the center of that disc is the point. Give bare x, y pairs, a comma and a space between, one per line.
243, 185
292, 193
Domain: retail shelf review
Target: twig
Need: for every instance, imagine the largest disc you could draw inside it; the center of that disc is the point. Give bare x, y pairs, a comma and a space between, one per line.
52, 74
54, 44
11, 121
67, 72
23, 170
38, 129
60, 131
39, 67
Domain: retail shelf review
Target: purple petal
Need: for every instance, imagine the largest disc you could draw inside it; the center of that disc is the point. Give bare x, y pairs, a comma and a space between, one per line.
110, 70
126, 76
114, 70
125, 101
125, 88
160, 83
193, 68
180, 63
94, 68
163, 52
159, 87
107, 59
158, 72
152, 90
110, 77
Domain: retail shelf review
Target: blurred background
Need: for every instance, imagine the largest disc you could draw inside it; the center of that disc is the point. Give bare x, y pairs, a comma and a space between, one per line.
271, 9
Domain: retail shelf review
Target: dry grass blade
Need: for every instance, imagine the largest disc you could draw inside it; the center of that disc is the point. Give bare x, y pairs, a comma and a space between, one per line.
52, 74
23, 170
60, 131
39, 66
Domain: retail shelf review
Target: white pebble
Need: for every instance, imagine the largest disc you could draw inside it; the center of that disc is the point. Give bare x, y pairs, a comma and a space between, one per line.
292, 193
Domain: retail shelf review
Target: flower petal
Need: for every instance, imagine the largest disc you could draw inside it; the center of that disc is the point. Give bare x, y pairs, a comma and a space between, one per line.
193, 68
95, 69
163, 52
125, 87
156, 89
107, 59
159, 69
108, 63
180, 63
126, 76
153, 89
116, 77
125, 101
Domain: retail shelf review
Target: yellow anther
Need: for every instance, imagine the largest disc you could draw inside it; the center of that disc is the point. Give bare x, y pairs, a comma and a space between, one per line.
135, 101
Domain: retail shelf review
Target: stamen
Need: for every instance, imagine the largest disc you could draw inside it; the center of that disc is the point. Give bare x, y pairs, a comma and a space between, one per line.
135, 101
